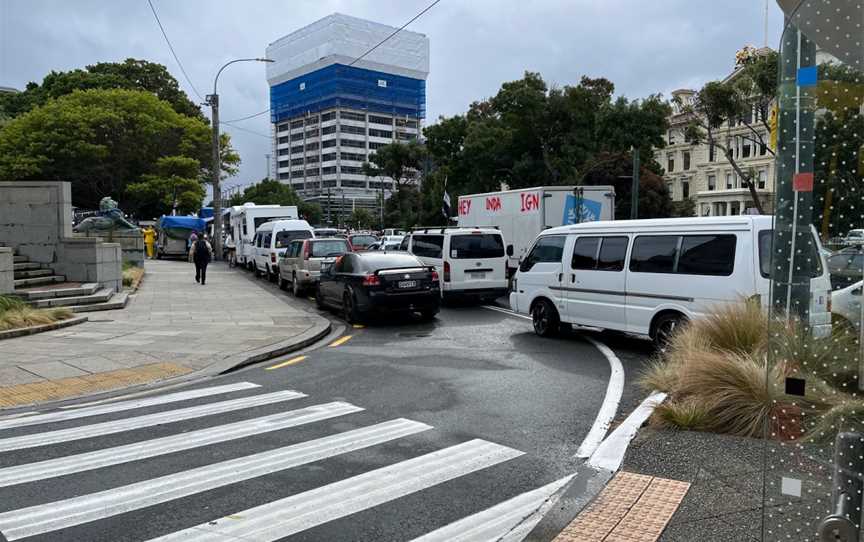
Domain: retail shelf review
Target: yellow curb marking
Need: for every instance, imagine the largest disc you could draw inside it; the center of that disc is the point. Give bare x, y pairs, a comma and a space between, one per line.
65, 388
631, 507
340, 341
291, 361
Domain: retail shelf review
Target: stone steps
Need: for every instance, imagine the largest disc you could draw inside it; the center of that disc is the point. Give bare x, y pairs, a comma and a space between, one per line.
101, 296
38, 281
20, 259
33, 273
25, 266
117, 301
60, 290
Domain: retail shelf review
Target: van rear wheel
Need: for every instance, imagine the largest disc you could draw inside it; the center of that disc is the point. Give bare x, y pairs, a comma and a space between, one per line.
665, 329
545, 318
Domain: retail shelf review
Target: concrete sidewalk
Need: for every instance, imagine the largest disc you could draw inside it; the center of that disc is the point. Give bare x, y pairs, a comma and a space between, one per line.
171, 327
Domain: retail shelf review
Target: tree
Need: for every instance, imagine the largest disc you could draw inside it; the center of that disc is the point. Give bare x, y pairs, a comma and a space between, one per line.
402, 162
361, 219
719, 106
101, 141
131, 74
654, 198
267, 192
175, 180
401, 209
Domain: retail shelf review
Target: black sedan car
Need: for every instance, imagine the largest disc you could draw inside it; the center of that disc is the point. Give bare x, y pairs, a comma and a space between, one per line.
362, 284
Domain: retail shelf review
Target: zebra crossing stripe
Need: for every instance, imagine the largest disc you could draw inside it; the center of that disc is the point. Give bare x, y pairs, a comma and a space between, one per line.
123, 405
127, 424
49, 517
294, 514
498, 521
136, 451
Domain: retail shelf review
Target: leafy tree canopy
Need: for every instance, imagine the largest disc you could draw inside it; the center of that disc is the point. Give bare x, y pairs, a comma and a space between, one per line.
273, 192
402, 162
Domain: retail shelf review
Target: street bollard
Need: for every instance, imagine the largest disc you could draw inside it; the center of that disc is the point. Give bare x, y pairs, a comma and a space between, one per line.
844, 524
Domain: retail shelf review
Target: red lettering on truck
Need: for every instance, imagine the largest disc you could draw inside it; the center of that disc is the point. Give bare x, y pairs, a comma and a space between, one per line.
530, 201
464, 207
493, 204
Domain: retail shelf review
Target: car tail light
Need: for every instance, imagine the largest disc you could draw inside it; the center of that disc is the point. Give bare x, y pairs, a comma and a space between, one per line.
307, 250
446, 271
434, 276
828, 302
273, 257
371, 280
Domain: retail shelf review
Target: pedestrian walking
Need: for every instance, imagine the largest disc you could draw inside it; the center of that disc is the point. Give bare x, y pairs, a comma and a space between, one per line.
202, 253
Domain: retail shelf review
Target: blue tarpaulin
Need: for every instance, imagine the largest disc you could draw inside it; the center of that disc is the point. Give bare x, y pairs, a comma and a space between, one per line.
181, 227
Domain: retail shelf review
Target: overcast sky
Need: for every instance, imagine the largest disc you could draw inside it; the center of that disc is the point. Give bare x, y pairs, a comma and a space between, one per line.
642, 47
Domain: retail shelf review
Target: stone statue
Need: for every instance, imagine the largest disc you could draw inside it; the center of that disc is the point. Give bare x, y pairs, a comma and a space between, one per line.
110, 218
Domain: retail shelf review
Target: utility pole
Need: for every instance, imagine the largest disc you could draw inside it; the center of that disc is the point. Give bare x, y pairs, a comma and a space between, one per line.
268, 166
213, 102
634, 191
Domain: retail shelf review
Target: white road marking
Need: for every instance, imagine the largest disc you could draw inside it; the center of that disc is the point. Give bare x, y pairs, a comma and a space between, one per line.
495, 522
609, 408
128, 424
124, 405
506, 311
294, 514
610, 453
49, 517
136, 451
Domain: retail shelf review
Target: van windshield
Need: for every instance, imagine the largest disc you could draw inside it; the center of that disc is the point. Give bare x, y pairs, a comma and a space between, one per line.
475, 246
262, 219
765, 241
284, 237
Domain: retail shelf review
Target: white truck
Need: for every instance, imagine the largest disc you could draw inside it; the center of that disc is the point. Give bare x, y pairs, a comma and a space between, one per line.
522, 214
245, 220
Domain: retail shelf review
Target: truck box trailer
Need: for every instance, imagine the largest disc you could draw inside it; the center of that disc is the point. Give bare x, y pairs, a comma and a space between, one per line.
522, 214
245, 220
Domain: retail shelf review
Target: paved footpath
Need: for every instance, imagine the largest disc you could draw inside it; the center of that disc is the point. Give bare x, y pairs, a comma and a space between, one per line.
171, 327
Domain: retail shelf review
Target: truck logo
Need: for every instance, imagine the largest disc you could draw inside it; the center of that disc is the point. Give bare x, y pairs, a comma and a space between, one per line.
530, 202
493, 204
464, 207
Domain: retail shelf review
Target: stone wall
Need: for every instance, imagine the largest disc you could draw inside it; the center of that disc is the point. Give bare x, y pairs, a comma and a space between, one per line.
87, 259
7, 270
34, 217
132, 245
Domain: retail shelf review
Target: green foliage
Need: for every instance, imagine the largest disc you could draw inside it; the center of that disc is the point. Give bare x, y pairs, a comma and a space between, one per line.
361, 219
401, 209
100, 141
267, 192
131, 74
311, 212
615, 169
175, 177
402, 162
8, 303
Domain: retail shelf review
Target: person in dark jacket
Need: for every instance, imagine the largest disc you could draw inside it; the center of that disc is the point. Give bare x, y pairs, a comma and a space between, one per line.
202, 253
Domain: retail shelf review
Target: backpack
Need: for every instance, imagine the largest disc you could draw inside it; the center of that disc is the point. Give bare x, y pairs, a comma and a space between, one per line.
202, 253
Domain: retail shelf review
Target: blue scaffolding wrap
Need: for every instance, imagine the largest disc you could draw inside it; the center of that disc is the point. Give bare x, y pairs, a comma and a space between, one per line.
349, 87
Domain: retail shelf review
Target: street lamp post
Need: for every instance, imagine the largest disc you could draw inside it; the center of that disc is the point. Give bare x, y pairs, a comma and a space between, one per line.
213, 102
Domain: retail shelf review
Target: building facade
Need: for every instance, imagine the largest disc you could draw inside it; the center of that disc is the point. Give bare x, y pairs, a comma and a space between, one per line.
330, 111
702, 173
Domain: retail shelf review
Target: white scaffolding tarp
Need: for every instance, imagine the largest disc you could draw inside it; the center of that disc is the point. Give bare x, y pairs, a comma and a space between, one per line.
340, 39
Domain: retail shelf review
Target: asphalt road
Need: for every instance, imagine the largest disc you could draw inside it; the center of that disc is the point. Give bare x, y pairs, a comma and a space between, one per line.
501, 411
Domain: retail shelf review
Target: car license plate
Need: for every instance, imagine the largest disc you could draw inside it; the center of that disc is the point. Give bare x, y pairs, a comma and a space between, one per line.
478, 276
407, 284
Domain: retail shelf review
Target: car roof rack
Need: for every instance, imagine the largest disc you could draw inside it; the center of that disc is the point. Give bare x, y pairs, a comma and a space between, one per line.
442, 229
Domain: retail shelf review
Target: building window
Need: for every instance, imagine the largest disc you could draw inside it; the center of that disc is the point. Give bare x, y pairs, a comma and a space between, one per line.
296, 172
312, 159
763, 148
349, 115
297, 137
763, 179
357, 130
377, 185
282, 127
353, 184
297, 149
312, 172
312, 133
686, 160
711, 152
329, 184
354, 170
284, 163
745, 149
328, 130
297, 124
283, 152
670, 163
671, 190
284, 176
302, 86
381, 133
297, 162
376, 146
328, 170
353, 143
728, 181
685, 189
373, 119
284, 139
328, 157
671, 137
407, 136
329, 143
352, 156
311, 121
312, 146
406, 123
712, 182
328, 116
382, 83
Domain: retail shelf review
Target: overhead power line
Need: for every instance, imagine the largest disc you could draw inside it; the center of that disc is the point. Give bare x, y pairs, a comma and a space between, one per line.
377, 45
173, 53
228, 123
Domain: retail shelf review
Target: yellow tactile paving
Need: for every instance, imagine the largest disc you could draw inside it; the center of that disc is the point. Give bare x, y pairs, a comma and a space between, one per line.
631, 508
64, 388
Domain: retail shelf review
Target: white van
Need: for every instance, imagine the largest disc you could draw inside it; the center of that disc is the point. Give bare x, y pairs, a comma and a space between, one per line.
271, 240
470, 261
244, 222
647, 276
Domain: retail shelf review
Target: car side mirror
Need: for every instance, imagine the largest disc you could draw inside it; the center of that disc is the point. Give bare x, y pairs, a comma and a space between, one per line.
510, 250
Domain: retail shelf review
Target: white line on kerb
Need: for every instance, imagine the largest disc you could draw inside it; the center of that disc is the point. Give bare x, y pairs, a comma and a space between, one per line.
610, 453
506, 311
610, 403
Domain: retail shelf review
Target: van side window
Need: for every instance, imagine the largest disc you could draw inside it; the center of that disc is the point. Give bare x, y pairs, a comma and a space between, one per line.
585, 253
654, 253
428, 246
549, 249
613, 251
257, 240
765, 242
267, 238
707, 255
245, 230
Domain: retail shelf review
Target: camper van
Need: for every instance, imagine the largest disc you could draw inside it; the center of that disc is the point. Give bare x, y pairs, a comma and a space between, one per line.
648, 276
246, 219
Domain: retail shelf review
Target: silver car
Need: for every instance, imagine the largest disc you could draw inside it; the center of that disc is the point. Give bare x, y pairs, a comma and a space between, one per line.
301, 265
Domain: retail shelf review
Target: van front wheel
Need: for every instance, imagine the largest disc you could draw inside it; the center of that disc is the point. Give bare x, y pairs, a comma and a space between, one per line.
545, 318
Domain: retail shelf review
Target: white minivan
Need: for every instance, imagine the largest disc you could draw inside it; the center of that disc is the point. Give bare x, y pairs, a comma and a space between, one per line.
647, 276
471, 262
271, 240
